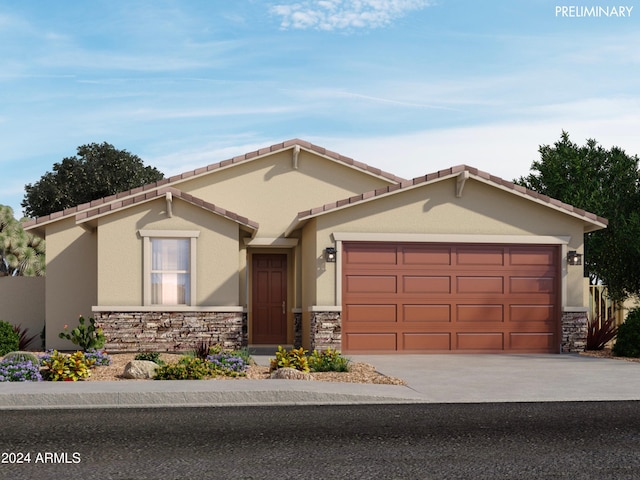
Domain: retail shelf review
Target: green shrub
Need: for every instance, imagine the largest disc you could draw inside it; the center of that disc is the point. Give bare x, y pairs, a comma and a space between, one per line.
187, 368
63, 367
294, 358
21, 356
9, 339
628, 340
328, 361
85, 336
150, 357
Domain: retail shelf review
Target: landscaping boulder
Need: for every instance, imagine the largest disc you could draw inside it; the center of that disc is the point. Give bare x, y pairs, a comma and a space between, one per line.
140, 369
290, 374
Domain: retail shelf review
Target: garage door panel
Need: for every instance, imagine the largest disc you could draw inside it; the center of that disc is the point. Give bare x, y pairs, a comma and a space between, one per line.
532, 341
371, 284
426, 284
480, 341
426, 341
532, 313
372, 313
419, 255
371, 341
426, 313
480, 313
532, 285
480, 256
480, 285
371, 255
532, 256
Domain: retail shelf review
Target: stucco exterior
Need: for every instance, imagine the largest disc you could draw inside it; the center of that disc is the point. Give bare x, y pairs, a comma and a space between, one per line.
293, 199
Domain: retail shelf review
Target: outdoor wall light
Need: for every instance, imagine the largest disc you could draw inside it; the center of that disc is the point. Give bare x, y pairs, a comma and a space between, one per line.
330, 254
574, 258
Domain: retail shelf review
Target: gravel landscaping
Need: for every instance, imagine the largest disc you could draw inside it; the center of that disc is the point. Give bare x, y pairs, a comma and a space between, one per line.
359, 372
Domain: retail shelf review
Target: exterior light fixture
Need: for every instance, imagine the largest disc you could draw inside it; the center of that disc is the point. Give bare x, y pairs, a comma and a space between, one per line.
330, 255
574, 258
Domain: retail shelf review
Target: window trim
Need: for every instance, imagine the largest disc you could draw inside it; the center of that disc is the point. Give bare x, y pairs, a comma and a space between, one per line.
147, 262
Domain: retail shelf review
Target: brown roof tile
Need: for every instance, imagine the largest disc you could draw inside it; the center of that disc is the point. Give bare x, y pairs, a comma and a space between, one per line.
430, 177
211, 167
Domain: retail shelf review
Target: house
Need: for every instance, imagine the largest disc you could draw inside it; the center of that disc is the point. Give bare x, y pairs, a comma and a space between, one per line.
293, 244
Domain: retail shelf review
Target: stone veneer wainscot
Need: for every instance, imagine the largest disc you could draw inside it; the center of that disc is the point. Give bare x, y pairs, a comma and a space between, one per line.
171, 331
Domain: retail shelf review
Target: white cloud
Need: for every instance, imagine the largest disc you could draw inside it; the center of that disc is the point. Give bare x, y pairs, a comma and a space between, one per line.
344, 14
504, 149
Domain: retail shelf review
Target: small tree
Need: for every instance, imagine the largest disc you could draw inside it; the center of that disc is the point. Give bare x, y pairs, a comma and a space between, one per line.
98, 170
21, 253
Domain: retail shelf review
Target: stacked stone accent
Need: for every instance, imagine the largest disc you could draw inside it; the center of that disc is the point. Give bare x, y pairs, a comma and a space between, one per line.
171, 331
326, 330
574, 331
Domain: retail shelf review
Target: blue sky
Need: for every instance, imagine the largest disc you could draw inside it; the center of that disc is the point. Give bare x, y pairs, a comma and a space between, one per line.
409, 86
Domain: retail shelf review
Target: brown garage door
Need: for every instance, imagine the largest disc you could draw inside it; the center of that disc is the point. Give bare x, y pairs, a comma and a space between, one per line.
450, 298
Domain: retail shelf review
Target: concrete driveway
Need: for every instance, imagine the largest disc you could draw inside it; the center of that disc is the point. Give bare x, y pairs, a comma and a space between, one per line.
511, 378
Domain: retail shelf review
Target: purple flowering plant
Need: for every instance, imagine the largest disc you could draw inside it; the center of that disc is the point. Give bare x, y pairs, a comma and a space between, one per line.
19, 371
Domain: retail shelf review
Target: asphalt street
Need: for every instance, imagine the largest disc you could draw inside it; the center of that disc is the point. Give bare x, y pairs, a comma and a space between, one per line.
554, 440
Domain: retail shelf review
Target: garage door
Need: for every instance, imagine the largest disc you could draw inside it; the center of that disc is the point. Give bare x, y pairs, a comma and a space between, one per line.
450, 298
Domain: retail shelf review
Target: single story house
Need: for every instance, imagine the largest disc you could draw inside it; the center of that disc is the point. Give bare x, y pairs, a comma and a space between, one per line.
296, 245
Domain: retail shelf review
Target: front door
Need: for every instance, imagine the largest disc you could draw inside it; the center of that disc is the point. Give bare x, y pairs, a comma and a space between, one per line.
269, 299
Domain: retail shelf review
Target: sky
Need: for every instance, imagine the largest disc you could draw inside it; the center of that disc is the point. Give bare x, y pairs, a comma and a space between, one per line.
409, 86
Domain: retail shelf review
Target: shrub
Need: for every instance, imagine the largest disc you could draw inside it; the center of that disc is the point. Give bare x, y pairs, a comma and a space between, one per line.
599, 333
100, 357
62, 367
328, 361
187, 368
9, 339
227, 363
628, 341
295, 358
24, 340
15, 370
203, 348
20, 356
85, 336
150, 357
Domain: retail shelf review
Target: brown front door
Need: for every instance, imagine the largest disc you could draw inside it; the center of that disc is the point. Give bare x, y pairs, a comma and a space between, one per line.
269, 299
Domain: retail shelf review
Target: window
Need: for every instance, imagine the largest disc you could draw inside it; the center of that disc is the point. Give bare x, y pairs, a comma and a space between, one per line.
169, 267
170, 271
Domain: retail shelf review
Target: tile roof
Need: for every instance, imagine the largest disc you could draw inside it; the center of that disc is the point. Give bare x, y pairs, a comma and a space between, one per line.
142, 197
209, 168
450, 172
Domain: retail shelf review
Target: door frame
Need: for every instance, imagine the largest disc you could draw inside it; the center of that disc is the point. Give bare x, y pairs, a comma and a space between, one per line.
288, 292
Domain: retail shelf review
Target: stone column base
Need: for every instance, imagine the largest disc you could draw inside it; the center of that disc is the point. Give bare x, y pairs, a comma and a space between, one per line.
326, 331
574, 332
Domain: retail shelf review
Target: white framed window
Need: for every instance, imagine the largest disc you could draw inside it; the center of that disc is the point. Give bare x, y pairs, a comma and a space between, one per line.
169, 267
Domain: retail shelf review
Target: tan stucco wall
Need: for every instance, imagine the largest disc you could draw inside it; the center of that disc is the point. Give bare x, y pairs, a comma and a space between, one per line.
271, 192
434, 209
71, 281
22, 303
310, 255
120, 253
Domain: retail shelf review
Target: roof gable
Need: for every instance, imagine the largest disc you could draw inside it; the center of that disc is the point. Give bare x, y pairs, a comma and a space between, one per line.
295, 145
463, 172
90, 215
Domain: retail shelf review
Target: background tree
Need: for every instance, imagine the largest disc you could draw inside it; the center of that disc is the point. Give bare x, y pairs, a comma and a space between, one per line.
21, 253
604, 182
98, 170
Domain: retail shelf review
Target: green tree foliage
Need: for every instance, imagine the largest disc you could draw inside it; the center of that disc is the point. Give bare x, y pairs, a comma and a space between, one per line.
604, 182
98, 170
21, 253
